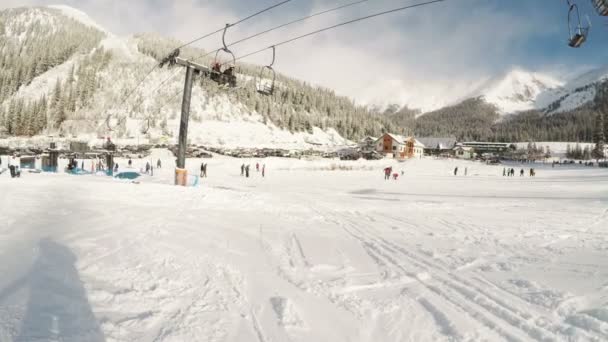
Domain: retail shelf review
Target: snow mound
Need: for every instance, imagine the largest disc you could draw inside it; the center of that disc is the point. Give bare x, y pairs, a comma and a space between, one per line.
78, 15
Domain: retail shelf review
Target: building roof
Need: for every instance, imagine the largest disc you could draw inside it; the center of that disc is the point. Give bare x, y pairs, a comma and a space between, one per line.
442, 143
403, 140
463, 148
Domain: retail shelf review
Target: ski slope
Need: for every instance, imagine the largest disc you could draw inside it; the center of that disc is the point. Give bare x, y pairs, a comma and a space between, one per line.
318, 250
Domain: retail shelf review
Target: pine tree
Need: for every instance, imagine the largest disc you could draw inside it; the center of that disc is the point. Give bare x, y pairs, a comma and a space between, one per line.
599, 138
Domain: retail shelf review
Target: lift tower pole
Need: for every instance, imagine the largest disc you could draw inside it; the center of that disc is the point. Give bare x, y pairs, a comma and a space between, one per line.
181, 175
183, 125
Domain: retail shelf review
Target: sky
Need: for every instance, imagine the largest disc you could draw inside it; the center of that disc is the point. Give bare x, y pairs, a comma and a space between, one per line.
424, 57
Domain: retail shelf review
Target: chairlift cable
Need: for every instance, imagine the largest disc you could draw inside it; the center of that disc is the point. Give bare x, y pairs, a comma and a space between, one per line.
340, 25
287, 24
236, 23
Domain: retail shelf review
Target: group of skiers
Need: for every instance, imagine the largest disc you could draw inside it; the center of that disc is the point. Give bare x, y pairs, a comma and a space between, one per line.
510, 172
388, 173
245, 169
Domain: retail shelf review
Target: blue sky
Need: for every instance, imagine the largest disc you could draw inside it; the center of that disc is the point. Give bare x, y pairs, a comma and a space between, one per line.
422, 57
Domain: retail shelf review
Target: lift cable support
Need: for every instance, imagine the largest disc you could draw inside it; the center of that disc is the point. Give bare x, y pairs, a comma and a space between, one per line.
601, 7
175, 53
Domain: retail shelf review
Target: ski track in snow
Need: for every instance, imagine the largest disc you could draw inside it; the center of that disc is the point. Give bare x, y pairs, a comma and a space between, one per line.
306, 255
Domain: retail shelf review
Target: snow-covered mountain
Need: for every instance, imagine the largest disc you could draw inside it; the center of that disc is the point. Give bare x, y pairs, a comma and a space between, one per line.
519, 90
53, 83
516, 91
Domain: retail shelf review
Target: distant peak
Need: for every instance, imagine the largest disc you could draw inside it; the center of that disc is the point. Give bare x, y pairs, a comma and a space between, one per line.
78, 15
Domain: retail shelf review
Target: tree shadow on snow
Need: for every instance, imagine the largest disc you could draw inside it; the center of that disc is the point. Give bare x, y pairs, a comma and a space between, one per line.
58, 308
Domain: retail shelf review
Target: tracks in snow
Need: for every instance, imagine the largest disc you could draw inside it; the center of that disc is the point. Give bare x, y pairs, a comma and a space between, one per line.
507, 315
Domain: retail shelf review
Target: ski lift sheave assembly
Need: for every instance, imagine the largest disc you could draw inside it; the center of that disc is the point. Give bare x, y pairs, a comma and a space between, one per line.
265, 86
225, 76
601, 7
578, 34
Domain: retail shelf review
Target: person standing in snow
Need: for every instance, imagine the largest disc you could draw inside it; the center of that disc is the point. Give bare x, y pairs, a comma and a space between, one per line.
387, 173
148, 167
242, 170
205, 171
456, 171
257, 167
202, 169
247, 171
130, 162
521, 173
504, 171
263, 170
466, 171
158, 164
116, 167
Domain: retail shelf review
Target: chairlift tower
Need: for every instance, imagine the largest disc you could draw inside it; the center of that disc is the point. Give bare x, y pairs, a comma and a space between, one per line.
181, 174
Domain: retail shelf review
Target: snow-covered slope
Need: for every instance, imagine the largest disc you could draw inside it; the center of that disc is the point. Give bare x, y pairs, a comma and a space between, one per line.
517, 90
520, 90
574, 94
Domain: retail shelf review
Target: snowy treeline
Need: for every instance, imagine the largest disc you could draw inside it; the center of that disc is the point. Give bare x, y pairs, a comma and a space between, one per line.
475, 119
33, 41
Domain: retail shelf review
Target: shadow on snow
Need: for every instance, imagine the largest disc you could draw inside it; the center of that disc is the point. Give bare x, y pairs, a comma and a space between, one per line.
57, 308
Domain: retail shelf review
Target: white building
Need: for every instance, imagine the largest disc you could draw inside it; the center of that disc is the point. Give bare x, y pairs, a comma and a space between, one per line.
462, 152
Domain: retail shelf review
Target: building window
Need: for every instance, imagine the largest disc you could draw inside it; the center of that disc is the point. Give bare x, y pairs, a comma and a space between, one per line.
394, 148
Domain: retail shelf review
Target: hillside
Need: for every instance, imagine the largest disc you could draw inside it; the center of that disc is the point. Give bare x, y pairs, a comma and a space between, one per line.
70, 87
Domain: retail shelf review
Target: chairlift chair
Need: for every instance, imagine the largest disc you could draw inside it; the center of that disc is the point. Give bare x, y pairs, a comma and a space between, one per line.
265, 86
601, 7
578, 36
227, 75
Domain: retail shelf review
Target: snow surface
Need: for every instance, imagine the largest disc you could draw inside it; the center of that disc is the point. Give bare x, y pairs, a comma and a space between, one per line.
309, 253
